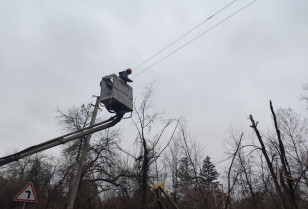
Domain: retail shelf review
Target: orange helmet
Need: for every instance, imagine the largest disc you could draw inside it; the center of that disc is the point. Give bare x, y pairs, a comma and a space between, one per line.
129, 71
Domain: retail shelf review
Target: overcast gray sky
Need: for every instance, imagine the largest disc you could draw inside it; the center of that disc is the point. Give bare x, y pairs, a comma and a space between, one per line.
54, 53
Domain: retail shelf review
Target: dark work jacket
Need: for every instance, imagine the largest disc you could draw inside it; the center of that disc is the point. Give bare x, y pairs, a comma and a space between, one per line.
124, 76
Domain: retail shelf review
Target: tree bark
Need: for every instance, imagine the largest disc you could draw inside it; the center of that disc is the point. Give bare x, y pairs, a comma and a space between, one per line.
269, 163
285, 164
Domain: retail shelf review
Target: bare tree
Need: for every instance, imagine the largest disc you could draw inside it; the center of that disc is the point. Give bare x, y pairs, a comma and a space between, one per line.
191, 153
171, 160
102, 171
282, 178
294, 133
232, 178
39, 169
144, 121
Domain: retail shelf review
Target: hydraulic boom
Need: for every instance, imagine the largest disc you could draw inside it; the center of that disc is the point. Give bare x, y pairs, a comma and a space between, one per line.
61, 140
116, 95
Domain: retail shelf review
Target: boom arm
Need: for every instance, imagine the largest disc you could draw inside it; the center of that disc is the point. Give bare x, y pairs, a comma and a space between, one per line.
61, 140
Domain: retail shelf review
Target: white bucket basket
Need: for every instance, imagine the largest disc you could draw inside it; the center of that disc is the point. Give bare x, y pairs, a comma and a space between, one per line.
116, 95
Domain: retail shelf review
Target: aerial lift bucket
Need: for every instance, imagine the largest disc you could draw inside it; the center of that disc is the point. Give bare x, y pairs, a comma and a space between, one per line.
116, 95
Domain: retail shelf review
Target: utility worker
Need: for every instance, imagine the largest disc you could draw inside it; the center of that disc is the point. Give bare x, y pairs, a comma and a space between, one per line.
124, 75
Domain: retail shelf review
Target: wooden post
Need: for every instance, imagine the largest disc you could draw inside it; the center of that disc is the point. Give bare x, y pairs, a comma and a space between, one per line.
82, 161
222, 195
214, 194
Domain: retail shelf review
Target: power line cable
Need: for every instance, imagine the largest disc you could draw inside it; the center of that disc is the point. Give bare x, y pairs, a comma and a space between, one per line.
196, 37
185, 34
188, 41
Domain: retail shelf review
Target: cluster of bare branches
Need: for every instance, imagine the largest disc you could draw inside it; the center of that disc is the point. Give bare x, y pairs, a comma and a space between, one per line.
266, 169
270, 169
